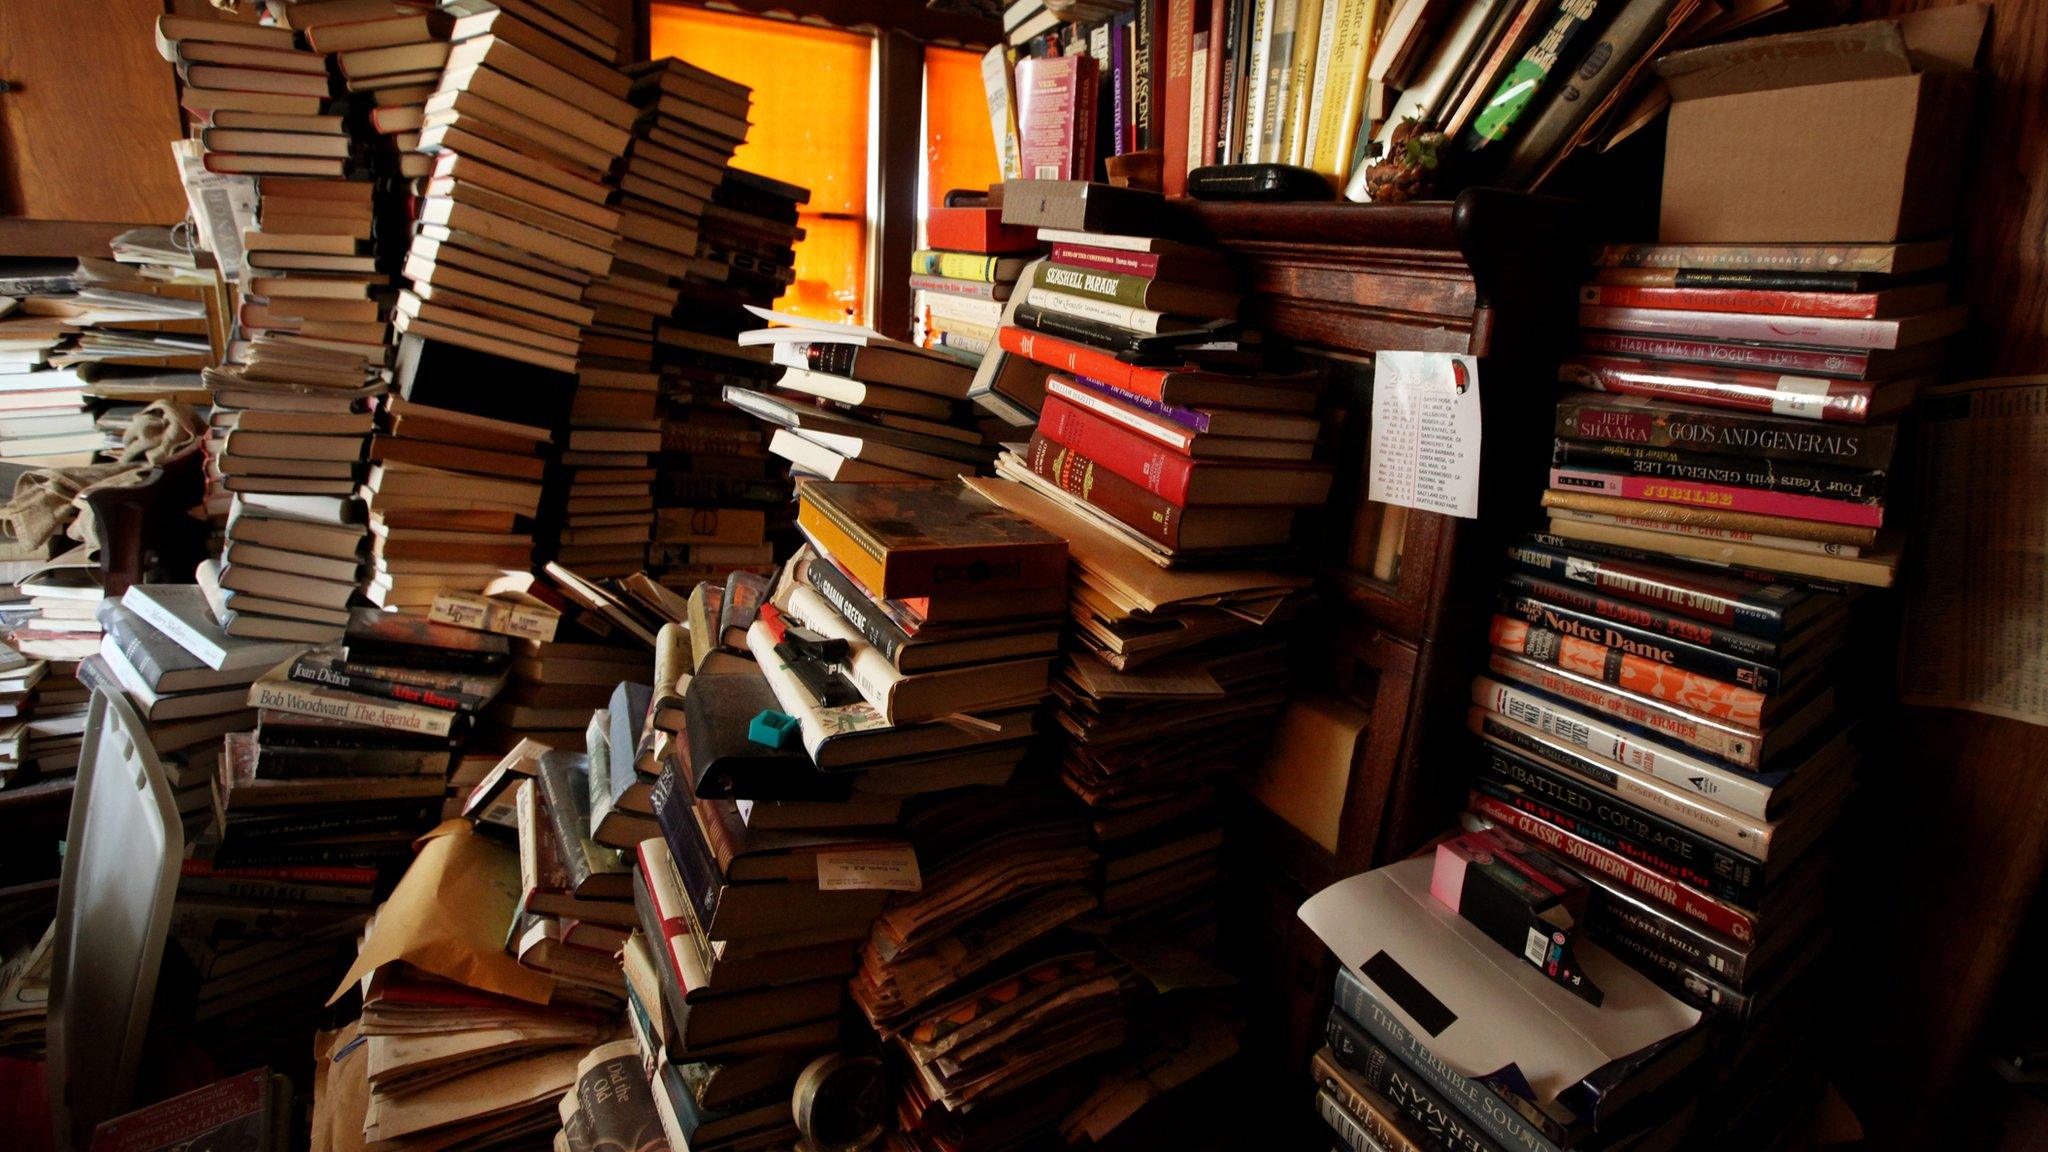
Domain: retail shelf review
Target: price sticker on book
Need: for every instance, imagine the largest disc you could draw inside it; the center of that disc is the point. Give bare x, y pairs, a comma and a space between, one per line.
856, 869
1425, 432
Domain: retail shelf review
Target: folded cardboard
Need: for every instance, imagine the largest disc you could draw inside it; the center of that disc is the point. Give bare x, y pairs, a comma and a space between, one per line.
1852, 134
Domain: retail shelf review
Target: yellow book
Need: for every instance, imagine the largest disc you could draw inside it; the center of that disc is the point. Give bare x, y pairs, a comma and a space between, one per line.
1308, 38
1341, 86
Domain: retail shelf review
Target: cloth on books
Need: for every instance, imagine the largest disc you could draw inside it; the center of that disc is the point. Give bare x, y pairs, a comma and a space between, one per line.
52, 501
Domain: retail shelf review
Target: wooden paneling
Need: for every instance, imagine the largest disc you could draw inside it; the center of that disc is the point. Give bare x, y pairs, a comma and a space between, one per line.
1959, 823
90, 114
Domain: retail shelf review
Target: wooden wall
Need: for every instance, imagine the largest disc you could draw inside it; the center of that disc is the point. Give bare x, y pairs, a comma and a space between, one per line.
1961, 819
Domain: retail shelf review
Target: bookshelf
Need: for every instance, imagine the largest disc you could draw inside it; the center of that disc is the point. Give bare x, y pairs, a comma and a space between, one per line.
1399, 633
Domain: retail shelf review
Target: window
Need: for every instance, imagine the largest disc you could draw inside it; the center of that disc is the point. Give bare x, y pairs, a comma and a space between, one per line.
959, 151
810, 127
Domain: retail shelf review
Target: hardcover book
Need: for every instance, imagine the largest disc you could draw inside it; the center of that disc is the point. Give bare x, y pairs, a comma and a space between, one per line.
926, 539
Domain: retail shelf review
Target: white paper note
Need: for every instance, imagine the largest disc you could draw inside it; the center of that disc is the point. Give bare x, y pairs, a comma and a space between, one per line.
1425, 432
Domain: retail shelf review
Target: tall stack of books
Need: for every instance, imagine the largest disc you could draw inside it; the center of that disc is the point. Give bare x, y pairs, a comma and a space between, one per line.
47, 420
527, 120
854, 405
963, 277
389, 58
452, 500
746, 251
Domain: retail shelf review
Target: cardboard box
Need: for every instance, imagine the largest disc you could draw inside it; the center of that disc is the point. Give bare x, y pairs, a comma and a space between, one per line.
1852, 134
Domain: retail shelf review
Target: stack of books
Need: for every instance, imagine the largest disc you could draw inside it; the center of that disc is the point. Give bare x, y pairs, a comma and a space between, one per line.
452, 500
45, 419
60, 629
964, 276
389, 58
527, 120
746, 250
18, 678
1750, 424
576, 891
603, 636
855, 405
188, 701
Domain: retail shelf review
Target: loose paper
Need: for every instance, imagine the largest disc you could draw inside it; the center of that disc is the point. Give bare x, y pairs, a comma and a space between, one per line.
1425, 432
869, 869
1976, 624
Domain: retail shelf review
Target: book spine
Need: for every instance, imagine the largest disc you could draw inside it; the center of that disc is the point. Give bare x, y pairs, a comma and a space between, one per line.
263, 889
1493, 786
1745, 793
956, 265
1662, 589
1825, 331
1350, 1132
1623, 914
1841, 305
1646, 618
1524, 81
1725, 432
1152, 466
855, 607
1677, 977
1703, 695
1075, 328
1132, 291
1771, 257
997, 86
1213, 106
303, 874
1736, 747
1082, 361
1760, 676
1761, 502
311, 670
1192, 419
1161, 431
483, 614
1776, 281
1444, 1125
1686, 901
285, 696
1373, 1114
134, 650
1695, 515
1358, 1015
1740, 389
1837, 362
965, 289
1116, 497
1142, 320
1855, 485
1689, 811
190, 639
560, 808
1259, 62
1114, 261
1145, 81
1120, 84
1176, 88
1229, 129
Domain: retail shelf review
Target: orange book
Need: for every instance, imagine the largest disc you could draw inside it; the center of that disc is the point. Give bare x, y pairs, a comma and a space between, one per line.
1691, 691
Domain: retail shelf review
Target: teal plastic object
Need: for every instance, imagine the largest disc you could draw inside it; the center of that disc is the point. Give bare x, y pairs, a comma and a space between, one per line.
772, 729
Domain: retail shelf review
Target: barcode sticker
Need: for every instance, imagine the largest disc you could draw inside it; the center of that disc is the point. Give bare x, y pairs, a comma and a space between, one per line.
1799, 396
1045, 172
1537, 948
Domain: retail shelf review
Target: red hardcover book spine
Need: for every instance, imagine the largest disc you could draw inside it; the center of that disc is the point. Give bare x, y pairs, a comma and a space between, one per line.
1826, 331
1113, 260
1213, 110
1109, 493
1846, 305
1161, 472
1745, 390
1049, 128
1155, 428
977, 230
1822, 361
1080, 360
295, 874
1688, 902
1725, 497
1179, 35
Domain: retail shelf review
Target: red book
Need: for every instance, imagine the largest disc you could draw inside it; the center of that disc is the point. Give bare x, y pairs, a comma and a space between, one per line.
1688, 902
1778, 328
1722, 497
1852, 364
1128, 504
1845, 305
1182, 385
1742, 389
1212, 109
297, 873
1146, 265
1056, 116
977, 230
1179, 36
1168, 474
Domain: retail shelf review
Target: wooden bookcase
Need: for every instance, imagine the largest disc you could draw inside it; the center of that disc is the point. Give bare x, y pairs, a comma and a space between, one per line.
1401, 629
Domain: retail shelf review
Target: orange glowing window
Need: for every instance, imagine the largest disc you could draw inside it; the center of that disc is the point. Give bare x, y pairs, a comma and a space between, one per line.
958, 150
810, 127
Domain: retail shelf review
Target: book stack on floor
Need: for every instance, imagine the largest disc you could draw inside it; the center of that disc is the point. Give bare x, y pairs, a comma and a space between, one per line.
853, 405
61, 629
1749, 403
187, 701
457, 1044
603, 636
527, 119
452, 499
746, 250
964, 276
389, 58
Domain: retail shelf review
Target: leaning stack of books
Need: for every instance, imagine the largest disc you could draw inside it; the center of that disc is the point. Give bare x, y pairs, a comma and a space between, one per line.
964, 277
854, 405
389, 58
187, 701
746, 250
525, 123
603, 636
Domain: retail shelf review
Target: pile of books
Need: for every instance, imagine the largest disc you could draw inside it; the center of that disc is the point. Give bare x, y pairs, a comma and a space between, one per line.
19, 676
60, 629
526, 122
389, 58
1751, 424
964, 276
854, 405
746, 250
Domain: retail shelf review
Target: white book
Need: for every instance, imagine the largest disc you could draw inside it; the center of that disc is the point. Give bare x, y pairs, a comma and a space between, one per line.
180, 612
